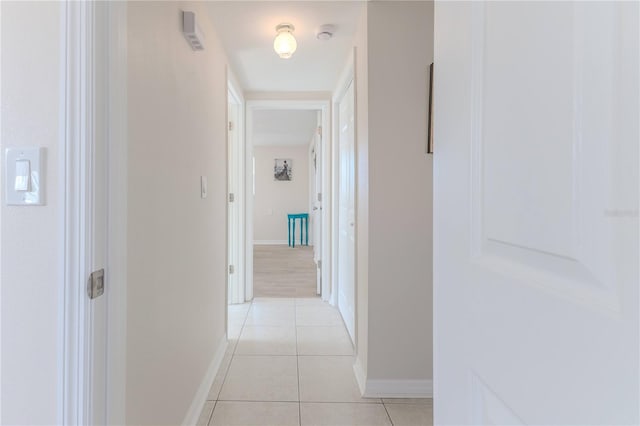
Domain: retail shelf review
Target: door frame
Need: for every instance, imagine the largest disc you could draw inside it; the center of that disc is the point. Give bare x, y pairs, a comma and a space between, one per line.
348, 82
85, 25
323, 105
234, 96
345, 82
78, 108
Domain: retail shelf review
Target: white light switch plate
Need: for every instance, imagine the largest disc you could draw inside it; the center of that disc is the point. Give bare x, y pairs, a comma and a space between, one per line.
203, 187
15, 160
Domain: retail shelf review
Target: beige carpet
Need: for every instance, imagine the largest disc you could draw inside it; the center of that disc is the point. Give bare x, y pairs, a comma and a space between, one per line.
283, 271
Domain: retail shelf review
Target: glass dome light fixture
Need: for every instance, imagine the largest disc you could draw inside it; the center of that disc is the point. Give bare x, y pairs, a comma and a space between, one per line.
285, 43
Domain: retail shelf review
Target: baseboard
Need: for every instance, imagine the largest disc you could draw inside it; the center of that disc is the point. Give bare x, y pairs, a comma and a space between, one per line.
270, 242
399, 389
200, 398
361, 376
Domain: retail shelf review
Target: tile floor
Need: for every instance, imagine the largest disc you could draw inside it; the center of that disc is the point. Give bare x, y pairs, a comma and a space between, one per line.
290, 362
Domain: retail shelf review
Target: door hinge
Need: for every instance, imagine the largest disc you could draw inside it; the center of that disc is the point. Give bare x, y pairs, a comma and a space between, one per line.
232, 269
232, 197
230, 125
319, 130
319, 263
95, 286
319, 197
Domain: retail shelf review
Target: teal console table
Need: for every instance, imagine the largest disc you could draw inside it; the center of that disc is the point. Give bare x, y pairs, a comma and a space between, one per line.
304, 228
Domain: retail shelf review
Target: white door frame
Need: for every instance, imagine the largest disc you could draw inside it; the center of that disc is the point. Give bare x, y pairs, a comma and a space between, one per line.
347, 78
325, 107
78, 140
341, 94
237, 169
87, 25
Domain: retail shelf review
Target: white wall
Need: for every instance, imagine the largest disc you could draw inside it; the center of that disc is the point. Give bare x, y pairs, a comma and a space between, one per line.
31, 265
176, 296
394, 198
275, 199
400, 191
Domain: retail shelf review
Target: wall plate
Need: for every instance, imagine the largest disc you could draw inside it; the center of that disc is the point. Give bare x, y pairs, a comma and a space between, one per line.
15, 160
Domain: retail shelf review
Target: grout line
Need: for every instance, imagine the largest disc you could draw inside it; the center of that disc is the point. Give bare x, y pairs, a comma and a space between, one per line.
295, 327
322, 326
269, 355
326, 355
241, 330
343, 402
224, 379
296, 402
215, 403
233, 353
387, 411
258, 400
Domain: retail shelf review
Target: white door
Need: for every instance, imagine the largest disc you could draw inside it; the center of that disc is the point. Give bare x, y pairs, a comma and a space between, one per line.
536, 213
346, 212
235, 289
317, 208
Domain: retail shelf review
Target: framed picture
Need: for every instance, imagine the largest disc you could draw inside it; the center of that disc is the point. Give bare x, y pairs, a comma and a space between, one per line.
283, 169
430, 117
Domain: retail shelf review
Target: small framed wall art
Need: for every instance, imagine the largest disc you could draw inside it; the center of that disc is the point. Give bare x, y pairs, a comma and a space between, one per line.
282, 169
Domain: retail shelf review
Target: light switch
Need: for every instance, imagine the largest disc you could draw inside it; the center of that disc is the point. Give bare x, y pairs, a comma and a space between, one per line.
203, 187
24, 173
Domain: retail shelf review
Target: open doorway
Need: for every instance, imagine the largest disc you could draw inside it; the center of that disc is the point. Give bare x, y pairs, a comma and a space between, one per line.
287, 226
284, 226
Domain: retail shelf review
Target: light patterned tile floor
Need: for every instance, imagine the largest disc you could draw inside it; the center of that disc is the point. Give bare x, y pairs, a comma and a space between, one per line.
289, 362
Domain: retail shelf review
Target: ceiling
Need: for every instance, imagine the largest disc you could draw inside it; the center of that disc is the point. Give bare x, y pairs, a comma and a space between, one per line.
247, 29
284, 127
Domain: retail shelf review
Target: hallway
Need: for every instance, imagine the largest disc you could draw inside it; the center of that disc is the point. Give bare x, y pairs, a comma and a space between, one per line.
289, 362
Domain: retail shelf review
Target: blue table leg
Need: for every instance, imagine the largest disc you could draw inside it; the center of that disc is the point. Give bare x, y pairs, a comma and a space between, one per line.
294, 232
306, 235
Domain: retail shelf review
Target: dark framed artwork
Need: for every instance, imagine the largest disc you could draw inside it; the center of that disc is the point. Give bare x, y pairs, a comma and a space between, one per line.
282, 169
430, 117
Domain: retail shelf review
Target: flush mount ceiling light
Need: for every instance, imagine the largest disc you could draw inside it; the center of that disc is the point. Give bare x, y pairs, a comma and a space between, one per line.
285, 43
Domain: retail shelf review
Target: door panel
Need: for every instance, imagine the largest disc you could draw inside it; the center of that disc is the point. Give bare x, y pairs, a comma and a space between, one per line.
235, 289
346, 212
536, 213
317, 208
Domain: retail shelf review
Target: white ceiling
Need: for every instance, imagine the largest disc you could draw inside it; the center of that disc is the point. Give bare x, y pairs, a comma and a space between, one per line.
284, 127
247, 29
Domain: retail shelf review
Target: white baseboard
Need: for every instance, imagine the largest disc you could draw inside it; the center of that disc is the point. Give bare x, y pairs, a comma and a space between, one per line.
270, 242
391, 388
399, 389
361, 376
203, 391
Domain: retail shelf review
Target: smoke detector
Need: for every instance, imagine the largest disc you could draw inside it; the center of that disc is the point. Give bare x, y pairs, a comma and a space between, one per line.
325, 32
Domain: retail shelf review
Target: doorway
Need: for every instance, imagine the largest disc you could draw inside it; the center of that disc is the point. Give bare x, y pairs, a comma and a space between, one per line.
271, 199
